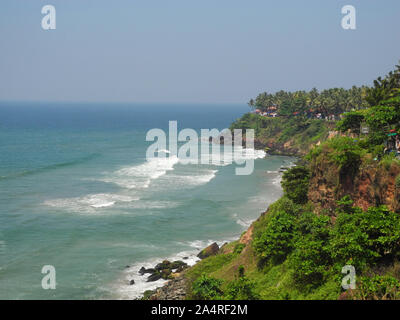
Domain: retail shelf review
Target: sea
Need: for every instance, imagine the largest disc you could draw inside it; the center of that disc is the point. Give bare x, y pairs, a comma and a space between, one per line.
77, 193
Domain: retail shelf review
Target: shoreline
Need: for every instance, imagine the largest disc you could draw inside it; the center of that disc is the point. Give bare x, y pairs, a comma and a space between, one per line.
130, 284
175, 288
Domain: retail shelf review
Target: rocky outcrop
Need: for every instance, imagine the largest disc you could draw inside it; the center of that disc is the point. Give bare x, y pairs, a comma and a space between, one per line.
247, 236
176, 287
164, 270
270, 145
209, 251
173, 290
372, 184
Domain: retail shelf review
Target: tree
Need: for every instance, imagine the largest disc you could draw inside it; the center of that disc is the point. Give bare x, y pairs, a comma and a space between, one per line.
275, 242
295, 183
351, 121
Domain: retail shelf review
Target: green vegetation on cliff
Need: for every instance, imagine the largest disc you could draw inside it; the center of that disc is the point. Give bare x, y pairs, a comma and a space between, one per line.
297, 254
293, 135
297, 249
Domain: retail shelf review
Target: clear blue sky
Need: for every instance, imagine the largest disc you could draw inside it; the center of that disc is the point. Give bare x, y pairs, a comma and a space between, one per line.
191, 50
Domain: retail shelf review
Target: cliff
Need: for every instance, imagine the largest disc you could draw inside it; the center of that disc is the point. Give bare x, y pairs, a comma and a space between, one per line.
373, 184
285, 136
296, 249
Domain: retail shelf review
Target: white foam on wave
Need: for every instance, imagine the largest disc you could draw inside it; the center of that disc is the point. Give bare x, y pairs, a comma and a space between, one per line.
180, 181
164, 151
277, 180
250, 153
89, 203
242, 222
123, 288
126, 291
226, 156
195, 180
140, 176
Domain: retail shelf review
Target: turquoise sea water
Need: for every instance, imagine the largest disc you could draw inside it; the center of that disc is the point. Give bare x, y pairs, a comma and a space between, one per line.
76, 192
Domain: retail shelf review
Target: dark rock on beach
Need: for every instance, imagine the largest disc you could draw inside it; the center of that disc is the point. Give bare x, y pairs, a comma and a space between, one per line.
209, 251
132, 282
163, 265
143, 270
172, 290
175, 288
165, 273
154, 277
178, 264
164, 270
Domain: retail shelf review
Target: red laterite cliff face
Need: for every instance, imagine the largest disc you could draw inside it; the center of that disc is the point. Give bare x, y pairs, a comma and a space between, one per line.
372, 184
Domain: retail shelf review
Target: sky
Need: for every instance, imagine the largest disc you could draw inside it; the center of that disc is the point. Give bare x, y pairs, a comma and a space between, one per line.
191, 51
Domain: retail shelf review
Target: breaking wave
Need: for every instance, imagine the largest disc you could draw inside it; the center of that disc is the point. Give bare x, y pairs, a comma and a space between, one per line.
89, 203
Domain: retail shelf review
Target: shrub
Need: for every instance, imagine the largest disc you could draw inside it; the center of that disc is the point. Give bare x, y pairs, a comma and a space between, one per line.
275, 241
295, 183
346, 153
383, 229
378, 288
351, 121
365, 237
284, 204
241, 288
207, 288
309, 262
311, 256
238, 248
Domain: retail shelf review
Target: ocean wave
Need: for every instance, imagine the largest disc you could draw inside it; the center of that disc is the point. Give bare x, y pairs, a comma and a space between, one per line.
140, 176
196, 180
277, 181
186, 179
50, 167
244, 223
126, 291
89, 203
164, 151
228, 156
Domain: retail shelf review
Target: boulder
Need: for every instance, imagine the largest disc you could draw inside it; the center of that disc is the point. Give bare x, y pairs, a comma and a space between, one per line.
178, 264
165, 273
211, 250
143, 270
132, 282
181, 268
154, 277
163, 265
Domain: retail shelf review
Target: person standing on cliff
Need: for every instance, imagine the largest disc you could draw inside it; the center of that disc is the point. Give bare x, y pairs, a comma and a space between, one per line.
397, 144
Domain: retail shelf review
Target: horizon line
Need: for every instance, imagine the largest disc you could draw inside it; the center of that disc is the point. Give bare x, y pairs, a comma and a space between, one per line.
120, 102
